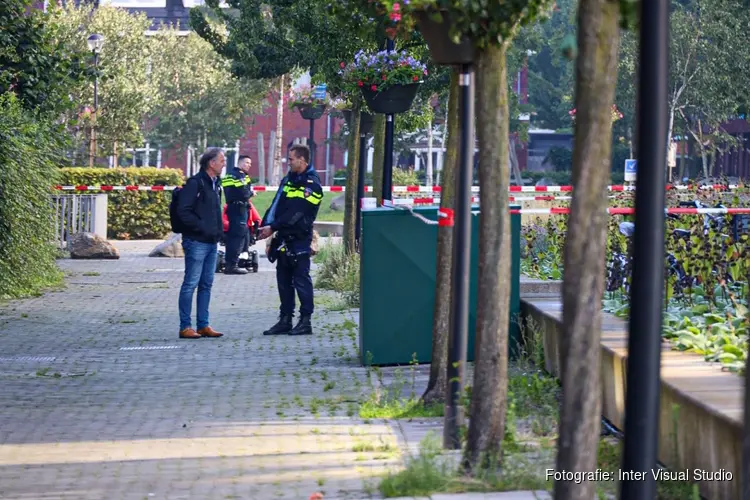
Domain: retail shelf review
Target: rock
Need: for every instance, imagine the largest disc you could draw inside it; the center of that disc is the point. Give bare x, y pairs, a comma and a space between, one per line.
171, 247
91, 246
337, 204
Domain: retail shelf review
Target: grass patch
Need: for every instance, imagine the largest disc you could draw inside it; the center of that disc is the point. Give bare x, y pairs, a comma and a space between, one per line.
262, 200
338, 272
399, 408
431, 472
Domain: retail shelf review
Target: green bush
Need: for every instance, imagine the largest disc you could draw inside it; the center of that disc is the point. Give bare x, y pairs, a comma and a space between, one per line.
28, 149
131, 214
402, 177
339, 272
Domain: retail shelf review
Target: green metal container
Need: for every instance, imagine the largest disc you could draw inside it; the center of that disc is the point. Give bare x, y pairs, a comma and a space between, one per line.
397, 285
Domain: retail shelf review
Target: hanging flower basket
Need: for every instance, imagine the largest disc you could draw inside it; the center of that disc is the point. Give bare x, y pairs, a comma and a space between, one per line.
311, 112
366, 121
437, 35
388, 80
391, 100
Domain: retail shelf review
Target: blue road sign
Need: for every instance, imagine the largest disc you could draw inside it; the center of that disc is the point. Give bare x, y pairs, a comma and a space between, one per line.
631, 168
320, 91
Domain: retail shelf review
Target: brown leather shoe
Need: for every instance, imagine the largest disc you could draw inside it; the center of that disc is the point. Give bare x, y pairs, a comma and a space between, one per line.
209, 332
189, 333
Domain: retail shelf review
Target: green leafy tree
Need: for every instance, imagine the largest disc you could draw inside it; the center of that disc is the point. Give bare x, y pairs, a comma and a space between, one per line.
261, 40
708, 81
35, 64
125, 90
197, 101
550, 71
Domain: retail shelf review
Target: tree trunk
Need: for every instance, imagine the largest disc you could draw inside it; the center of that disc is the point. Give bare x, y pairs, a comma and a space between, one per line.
378, 154
438, 384
585, 247
276, 178
261, 160
513, 159
271, 156
670, 130
681, 145
630, 142
116, 155
428, 167
352, 175
490, 387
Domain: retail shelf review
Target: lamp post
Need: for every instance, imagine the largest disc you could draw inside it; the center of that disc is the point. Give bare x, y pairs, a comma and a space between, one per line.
647, 290
388, 153
95, 43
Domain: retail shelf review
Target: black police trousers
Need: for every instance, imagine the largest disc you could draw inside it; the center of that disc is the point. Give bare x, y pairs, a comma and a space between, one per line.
293, 274
237, 234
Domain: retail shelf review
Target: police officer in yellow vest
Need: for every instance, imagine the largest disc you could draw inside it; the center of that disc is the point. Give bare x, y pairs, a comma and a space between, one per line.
237, 193
291, 216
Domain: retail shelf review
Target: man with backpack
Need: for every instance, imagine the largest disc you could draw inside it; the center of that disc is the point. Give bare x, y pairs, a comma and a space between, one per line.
196, 213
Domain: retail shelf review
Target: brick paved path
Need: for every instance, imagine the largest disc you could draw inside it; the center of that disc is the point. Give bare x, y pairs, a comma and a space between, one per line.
100, 399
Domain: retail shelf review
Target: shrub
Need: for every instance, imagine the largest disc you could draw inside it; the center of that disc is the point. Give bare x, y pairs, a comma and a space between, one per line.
402, 177
339, 272
28, 148
131, 214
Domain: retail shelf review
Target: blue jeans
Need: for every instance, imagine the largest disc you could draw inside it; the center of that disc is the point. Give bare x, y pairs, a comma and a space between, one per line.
200, 266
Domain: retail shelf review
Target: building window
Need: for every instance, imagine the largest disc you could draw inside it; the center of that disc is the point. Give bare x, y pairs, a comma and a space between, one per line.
147, 156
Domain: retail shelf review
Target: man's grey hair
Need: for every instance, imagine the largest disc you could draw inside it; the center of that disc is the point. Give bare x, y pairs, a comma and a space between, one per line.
208, 155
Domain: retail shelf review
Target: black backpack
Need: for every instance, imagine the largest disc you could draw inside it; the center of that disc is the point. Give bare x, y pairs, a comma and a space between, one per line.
177, 226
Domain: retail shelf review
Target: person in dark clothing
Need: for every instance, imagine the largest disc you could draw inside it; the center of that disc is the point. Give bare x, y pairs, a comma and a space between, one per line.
237, 193
290, 217
199, 210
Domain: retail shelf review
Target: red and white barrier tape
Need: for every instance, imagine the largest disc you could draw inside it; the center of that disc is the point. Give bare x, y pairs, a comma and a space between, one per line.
445, 216
403, 189
631, 211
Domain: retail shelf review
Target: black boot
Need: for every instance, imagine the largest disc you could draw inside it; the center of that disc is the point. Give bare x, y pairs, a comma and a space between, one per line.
235, 270
283, 327
303, 327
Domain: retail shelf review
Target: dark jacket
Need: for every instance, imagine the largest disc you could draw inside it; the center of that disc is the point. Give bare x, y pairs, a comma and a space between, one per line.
236, 186
295, 208
199, 209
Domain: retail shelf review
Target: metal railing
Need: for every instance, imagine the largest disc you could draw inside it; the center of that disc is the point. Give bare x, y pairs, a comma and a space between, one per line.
73, 213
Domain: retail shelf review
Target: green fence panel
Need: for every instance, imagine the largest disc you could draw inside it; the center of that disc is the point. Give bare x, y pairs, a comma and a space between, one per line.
397, 285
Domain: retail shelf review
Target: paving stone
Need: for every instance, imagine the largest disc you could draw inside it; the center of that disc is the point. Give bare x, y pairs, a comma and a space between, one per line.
102, 400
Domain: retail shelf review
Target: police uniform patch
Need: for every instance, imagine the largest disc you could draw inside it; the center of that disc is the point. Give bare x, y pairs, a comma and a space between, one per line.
308, 192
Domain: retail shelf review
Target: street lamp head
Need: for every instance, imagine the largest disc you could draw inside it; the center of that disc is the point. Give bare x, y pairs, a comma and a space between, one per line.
95, 43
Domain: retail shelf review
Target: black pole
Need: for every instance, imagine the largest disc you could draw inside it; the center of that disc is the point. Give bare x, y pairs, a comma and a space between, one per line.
646, 295
96, 81
96, 109
388, 154
461, 263
362, 167
311, 140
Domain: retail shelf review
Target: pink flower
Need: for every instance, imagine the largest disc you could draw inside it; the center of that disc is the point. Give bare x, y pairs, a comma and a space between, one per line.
373, 87
316, 496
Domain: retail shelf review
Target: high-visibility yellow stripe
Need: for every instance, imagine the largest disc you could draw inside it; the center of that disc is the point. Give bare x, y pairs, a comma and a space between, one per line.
300, 193
231, 182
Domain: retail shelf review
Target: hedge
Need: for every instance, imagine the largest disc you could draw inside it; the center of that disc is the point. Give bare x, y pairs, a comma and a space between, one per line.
28, 149
131, 214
